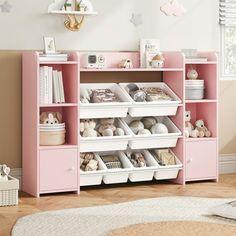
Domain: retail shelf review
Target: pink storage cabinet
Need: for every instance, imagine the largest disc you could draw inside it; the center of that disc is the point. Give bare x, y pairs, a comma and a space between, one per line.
48, 169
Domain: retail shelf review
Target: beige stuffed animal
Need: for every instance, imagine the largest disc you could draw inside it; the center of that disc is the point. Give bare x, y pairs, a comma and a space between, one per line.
189, 129
107, 127
50, 117
202, 129
87, 128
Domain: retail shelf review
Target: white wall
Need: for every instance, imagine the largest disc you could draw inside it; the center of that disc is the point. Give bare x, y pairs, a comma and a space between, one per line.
28, 22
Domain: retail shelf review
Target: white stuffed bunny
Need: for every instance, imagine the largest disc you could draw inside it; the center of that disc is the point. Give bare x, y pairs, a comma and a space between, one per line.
4, 172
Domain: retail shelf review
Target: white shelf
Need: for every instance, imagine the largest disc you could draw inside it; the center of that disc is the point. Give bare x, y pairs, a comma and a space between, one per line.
81, 13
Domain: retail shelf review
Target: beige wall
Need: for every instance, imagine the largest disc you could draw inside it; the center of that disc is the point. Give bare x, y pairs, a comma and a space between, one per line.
10, 103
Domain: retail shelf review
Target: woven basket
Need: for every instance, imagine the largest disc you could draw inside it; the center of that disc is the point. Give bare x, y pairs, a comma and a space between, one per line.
9, 192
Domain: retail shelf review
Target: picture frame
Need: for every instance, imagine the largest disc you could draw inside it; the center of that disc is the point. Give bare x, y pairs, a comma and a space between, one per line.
49, 45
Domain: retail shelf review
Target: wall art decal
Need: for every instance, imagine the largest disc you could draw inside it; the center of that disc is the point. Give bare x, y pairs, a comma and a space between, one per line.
173, 8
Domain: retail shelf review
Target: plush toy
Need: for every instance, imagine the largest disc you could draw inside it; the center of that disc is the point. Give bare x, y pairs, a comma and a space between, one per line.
107, 127
4, 172
192, 74
87, 128
148, 122
202, 129
189, 129
50, 118
88, 162
158, 61
85, 95
126, 64
137, 94
137, 159
136, 126
159, 128
92, 165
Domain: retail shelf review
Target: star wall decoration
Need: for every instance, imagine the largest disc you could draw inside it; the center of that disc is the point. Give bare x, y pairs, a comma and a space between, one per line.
6, 7
136, 19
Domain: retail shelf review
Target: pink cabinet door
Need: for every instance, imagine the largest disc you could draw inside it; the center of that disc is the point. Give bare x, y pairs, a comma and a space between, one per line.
201, 160
58, 170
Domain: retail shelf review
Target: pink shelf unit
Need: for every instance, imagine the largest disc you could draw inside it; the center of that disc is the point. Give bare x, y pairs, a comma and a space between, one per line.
48, 169
202, 153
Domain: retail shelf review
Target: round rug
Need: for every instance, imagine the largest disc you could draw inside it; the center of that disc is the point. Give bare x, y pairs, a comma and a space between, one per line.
177, 228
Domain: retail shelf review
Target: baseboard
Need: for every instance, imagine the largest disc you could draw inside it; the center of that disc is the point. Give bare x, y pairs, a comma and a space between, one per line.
227, 165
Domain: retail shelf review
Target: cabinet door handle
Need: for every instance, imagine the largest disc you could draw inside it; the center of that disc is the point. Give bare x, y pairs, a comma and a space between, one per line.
72, 168
189, 160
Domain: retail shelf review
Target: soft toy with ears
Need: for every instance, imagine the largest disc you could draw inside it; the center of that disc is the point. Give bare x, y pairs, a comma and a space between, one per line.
4, 172
50, 118
202, 129
189, 129
87, 128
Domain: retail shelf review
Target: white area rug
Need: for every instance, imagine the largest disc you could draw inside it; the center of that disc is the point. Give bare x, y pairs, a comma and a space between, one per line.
98, 221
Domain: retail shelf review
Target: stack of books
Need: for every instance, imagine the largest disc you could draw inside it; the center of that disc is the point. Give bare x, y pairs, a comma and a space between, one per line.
51, 86
57, 57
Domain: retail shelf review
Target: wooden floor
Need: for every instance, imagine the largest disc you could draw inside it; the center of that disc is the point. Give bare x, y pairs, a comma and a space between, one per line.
226, 188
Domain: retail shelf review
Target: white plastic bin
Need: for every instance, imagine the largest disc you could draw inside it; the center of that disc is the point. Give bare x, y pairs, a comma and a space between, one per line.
105, 110
107, 143
146, 173
155, 108
153, 140
89, 178
115, 176
168, 172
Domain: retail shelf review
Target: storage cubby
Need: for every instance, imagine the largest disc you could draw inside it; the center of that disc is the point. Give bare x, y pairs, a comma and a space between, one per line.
69, 117
70, 80
206, 112
208, 73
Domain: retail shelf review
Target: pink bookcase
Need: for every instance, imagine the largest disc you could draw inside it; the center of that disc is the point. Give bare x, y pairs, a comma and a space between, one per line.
48, 169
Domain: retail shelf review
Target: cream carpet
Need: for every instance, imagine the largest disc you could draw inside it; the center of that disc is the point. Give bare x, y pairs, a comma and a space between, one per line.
99, 221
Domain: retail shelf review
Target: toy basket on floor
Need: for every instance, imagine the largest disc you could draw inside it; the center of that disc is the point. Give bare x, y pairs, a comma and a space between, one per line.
9, 192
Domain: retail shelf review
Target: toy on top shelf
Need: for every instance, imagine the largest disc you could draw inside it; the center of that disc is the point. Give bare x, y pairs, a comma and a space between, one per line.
126, 64
158, 61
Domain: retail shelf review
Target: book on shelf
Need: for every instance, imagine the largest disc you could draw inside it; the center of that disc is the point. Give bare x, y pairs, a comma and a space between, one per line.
51, 86
148, 46
57, 57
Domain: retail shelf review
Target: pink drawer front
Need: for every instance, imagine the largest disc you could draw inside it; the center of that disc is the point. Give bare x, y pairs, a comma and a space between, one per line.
201, 160
58, 170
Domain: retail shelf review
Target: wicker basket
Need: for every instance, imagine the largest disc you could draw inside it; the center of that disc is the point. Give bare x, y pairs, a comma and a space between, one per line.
9, 192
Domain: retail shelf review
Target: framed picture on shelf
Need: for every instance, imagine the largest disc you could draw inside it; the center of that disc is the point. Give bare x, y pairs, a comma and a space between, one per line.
49, 45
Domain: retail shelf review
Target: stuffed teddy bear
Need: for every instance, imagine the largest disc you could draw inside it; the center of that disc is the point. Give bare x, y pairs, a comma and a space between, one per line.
189, 129
87, 128
4, 172
192, 74
50, 118
107, 127
202, 129
126, 64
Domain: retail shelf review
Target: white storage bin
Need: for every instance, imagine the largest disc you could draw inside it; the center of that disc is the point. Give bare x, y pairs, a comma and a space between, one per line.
153, 140
105, 110
155, 108
168, 172
107, 143
9, 192
88, 178
146, 173
115, 176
